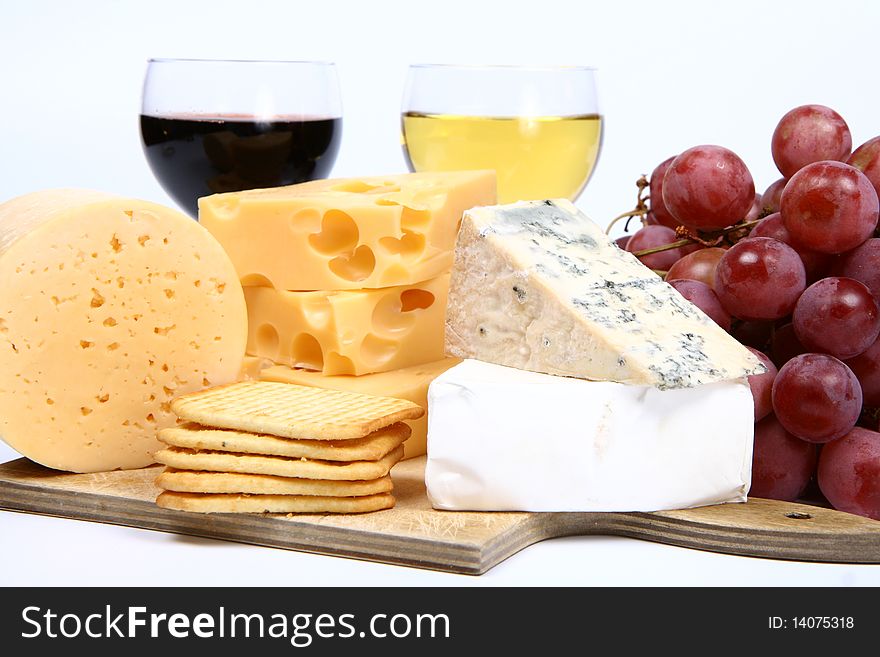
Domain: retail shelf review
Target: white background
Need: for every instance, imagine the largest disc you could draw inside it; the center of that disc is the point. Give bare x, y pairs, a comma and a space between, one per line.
672, 75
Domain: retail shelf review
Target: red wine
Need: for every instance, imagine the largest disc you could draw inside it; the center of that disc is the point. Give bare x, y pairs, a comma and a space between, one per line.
194, 156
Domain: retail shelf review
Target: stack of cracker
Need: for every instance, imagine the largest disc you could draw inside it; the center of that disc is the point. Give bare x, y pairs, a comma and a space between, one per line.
263, 447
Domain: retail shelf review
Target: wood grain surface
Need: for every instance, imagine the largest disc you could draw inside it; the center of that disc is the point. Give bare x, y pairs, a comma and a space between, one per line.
414, 534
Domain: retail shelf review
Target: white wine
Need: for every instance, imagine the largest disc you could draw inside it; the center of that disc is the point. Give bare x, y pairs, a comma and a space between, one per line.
534, 157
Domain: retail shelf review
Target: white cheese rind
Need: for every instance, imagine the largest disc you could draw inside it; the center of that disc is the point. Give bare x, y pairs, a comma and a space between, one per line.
538, 286
502, 439
109, 308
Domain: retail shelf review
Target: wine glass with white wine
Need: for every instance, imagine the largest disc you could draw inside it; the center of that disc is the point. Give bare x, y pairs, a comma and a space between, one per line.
539, 128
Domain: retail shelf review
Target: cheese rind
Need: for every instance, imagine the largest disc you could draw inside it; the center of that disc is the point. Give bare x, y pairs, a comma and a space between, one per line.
410, 383
538, 286
109, 308
346, 234
502, 439
349, 331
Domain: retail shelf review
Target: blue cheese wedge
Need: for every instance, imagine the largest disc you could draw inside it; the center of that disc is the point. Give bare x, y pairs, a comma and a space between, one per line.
538, 286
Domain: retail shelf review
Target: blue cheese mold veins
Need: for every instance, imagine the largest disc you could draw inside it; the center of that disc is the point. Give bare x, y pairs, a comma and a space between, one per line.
538, 286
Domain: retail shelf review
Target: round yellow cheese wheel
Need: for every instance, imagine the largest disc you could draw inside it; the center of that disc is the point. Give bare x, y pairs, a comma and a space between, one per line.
109, 308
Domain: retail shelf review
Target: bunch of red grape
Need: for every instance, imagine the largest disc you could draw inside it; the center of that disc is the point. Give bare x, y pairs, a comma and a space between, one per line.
800, 288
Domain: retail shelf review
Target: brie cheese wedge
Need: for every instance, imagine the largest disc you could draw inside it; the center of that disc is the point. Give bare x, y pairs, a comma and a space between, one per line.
504, 439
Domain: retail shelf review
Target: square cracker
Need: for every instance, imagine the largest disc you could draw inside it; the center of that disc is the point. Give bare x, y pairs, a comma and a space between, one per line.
293, 411
189, 481
209, 503
281, 466
369, 448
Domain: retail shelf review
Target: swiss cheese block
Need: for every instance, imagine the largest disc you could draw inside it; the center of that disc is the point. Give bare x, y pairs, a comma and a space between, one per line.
346, 234
502, 439
410, 383
538, 286
349, 331
251, 366
109, 308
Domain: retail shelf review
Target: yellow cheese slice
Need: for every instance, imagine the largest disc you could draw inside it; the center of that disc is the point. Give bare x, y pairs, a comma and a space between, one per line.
109, 308
349, 331
346, 234
410, 383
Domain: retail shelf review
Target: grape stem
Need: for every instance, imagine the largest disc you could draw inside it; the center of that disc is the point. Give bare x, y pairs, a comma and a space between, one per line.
714, 239
641, 209
686, 233
626, 215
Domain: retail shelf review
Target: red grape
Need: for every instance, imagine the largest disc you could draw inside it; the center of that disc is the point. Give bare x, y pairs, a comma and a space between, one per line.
862, 264
771, 198
866, 367
781, 464
849, 473
704, 298
650, 220
817, 397
658, 207
785, 345
756, 209
708, 187
622, 241
687, 249
815, 263
762, 385
753, 334
653, 236
760, 278
830, 207
808, 134
837, 316
866, 158
697, 266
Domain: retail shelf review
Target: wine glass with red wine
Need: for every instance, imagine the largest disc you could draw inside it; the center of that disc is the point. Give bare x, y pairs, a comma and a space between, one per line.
211, 126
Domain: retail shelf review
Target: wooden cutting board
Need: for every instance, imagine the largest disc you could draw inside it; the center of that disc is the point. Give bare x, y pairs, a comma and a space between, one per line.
414, 534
